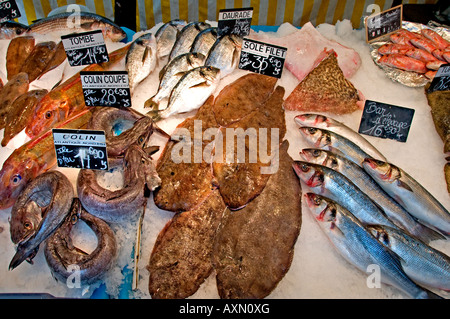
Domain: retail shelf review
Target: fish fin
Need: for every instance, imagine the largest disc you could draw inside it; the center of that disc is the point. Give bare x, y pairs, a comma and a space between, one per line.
404, 185
151, 104
201, 84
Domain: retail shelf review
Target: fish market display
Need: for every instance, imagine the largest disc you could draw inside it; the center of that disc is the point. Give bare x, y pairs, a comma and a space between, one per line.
423, 264
204, 41
67, 22
18, 51
324, 89
225, 54
186, 37
57, 58
51, 195
62, 256
140, 60
171, 74
253, 249
359, 247
11, 29
20, 113
410, 194
181, 257
166, 36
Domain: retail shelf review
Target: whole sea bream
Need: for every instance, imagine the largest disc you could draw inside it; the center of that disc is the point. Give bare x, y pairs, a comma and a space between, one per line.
225, 54
167, 35
186, 37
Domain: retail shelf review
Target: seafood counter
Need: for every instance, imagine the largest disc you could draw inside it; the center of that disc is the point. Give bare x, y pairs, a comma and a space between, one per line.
320, 211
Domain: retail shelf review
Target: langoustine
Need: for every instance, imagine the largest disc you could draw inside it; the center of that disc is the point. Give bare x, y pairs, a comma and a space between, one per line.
64, 258
52, 194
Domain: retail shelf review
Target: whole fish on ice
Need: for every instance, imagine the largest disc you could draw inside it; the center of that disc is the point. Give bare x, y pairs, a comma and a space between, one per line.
225, 54
204, 41
166, 36
186, 37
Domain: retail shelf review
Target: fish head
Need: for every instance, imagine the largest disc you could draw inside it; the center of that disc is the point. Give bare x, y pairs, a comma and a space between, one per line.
322, 208
381, 171
316, 137
14, 176
380, 233
196, 59
321, 157
109, 31
309, 173
25, 221
311, 119
210, 73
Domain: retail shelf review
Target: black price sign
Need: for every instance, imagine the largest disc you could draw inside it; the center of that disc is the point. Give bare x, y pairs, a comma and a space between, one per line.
8, 10
386, 22
106, 88
84, 149
235, 21
85, 48
441, 81
386, 121
262, 58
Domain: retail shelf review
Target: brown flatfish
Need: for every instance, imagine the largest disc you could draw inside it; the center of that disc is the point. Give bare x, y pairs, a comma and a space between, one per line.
38, 59
15, 87
18, 51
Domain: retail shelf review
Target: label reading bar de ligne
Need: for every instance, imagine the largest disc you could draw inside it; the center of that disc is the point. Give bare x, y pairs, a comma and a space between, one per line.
235, 21
8, 10
106, 88
85, 149
85, 48
262, 58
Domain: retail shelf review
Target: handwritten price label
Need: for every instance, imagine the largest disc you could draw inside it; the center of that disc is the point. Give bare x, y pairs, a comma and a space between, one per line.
386, 121
441, 81
8, 10
386, 22
85, 149
85, 48
106, 88
235, 21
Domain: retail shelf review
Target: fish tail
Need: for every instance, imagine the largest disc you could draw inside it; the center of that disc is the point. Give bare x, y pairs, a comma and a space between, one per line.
151, 104
427, 234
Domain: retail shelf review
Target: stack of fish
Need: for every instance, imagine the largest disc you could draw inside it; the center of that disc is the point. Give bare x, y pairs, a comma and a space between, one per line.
372, 211
197, 58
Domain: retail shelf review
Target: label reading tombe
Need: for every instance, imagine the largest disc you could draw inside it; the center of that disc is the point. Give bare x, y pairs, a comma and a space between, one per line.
85, 48
106, 88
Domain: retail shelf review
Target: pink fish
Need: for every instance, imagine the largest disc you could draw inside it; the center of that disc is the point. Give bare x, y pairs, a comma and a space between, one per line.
400, 39
434, 37
390, 48
423, 43
403, 62
421, 55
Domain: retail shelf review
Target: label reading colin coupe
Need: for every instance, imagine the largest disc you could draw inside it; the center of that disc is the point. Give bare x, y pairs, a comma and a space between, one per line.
85, 48
106, 88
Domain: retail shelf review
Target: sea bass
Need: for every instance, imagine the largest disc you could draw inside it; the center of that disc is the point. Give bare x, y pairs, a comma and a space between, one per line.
330, 124
423, 264
331, 184
365, 183
32, 159
225, 54
66, 100
192, 90
410, 194
167, 35
170, 75
186, 37
12, 29
53, 192
359, 247
140, 60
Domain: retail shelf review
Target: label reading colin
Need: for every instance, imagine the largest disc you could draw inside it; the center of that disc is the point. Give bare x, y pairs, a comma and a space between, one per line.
8, 10
106, 88
85, 48
235, 21
441, 81
383, 23
262, 58
386, 121
84, 149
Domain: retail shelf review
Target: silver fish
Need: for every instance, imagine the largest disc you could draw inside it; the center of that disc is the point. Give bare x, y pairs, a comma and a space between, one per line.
204, 41
423, 264
11, 29
167, 35
68, 22
53, 193
192, 90
329, 183
361, 248
140, 60
225, 53
330, 141
410, 194
327, 123
396, 213
170, 75
186, 37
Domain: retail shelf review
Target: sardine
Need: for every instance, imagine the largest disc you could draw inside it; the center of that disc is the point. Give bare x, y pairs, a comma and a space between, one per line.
68, 22
170, 75
20, 113
14, 88
410, 194
140, 60
192, 90
327, 123
120, 205
396, 213
330, 141
423, 264
167, 35
60, 252
53, 192
359, 247
186, 37
18, 51
32, 159
225, 53
204, 41
12, 29
335, 186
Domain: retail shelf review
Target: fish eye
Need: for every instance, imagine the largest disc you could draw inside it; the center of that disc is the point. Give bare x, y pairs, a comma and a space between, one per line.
304, 167
48, 115
317, 201
74, 219
312, 130
27, 225
316, 153
141, 139
16, 179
